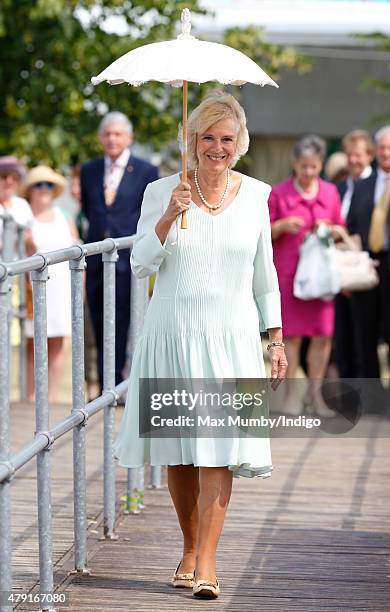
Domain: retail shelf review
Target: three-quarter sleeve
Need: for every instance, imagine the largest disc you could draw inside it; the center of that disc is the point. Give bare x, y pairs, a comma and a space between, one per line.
265, 280
148, 253
273, 206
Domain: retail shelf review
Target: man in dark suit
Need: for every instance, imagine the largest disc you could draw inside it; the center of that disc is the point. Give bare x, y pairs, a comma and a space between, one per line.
359, 149
112, 189
371, 309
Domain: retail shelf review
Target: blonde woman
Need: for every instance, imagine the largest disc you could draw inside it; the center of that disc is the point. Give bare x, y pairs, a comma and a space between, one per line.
216, 288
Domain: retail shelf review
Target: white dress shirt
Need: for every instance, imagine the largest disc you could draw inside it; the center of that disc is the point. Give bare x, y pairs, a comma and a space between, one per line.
113, 173
379, 189
346, 203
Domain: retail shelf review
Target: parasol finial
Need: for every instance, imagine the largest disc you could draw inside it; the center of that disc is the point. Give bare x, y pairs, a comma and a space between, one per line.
185, 24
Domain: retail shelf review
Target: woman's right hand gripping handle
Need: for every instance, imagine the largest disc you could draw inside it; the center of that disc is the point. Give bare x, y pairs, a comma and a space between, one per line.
179, 202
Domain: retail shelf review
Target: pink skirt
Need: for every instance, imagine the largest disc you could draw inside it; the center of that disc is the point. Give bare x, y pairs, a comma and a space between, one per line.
305, 317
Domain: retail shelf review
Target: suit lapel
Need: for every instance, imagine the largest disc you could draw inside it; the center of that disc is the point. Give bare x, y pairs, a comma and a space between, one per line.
364, 203
100, 174
370, 186
342, 187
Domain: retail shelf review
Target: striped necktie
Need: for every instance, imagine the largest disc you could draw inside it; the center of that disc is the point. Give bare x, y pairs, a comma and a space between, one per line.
110, 185
376, 235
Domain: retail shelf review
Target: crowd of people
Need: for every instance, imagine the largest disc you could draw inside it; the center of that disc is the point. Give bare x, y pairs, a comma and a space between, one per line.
346, 331
356, 322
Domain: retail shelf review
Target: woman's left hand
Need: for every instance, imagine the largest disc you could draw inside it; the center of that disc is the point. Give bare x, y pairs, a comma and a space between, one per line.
278, 362
331, 226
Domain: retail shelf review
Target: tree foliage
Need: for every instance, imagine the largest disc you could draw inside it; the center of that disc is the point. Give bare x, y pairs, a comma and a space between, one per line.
51, 48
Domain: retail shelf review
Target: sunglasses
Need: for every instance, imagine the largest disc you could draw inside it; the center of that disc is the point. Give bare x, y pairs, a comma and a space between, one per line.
43, 185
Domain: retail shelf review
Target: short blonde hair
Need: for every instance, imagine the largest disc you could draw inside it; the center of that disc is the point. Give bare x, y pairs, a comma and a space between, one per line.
359, 136
217, 106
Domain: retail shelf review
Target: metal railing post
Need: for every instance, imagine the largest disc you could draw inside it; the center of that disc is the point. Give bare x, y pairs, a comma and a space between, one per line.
5, 502
22, 313
9, 237
109, 301
8, 254
138, 304
39, 279
141, 487
77, 267
131, 505
155, 477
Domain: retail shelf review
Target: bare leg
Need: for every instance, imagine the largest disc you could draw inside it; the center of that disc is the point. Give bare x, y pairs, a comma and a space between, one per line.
56, 355
215, 490
183, 485
317, 359
318, 356
30, 370
293, 346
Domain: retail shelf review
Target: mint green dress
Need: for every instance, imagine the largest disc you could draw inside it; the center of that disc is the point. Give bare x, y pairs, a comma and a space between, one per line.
216, 289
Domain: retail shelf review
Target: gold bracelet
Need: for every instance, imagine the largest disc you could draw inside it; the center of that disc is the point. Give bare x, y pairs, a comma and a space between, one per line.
275, 343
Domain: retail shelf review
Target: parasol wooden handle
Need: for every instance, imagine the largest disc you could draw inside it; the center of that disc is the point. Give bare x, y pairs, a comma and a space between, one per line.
184, 153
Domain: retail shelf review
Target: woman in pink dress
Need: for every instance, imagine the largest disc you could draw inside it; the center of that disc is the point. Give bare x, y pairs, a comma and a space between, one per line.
296, 208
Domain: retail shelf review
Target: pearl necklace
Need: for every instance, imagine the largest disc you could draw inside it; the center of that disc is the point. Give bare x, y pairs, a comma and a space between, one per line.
221, 201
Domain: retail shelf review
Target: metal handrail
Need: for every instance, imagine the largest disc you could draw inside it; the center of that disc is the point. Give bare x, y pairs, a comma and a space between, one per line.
45, 436
43, 440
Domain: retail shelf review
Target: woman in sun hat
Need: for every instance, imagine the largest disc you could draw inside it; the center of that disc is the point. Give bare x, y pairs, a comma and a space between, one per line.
50, 230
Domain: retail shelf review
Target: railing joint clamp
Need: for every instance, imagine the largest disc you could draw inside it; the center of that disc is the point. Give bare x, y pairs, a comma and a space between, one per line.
46, 262
112, 254
3, 276
49, 436
79, 262
10, 468
83, 250
113, 393
114, 244
85, 414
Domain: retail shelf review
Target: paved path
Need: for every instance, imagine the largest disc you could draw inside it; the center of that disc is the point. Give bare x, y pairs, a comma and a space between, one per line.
313, 537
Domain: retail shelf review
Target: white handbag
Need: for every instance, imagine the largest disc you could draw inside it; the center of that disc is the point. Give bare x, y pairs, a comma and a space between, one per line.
324, 269
356, 269
316, 276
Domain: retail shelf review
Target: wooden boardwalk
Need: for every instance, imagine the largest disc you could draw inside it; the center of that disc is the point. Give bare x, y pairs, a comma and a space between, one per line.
313, 537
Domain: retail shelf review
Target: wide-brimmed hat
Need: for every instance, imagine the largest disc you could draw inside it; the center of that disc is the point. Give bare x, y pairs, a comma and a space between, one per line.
43, 174
13, 165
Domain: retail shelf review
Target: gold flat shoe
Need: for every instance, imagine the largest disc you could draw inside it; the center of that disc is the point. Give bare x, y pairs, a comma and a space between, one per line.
206, 589
180, 580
